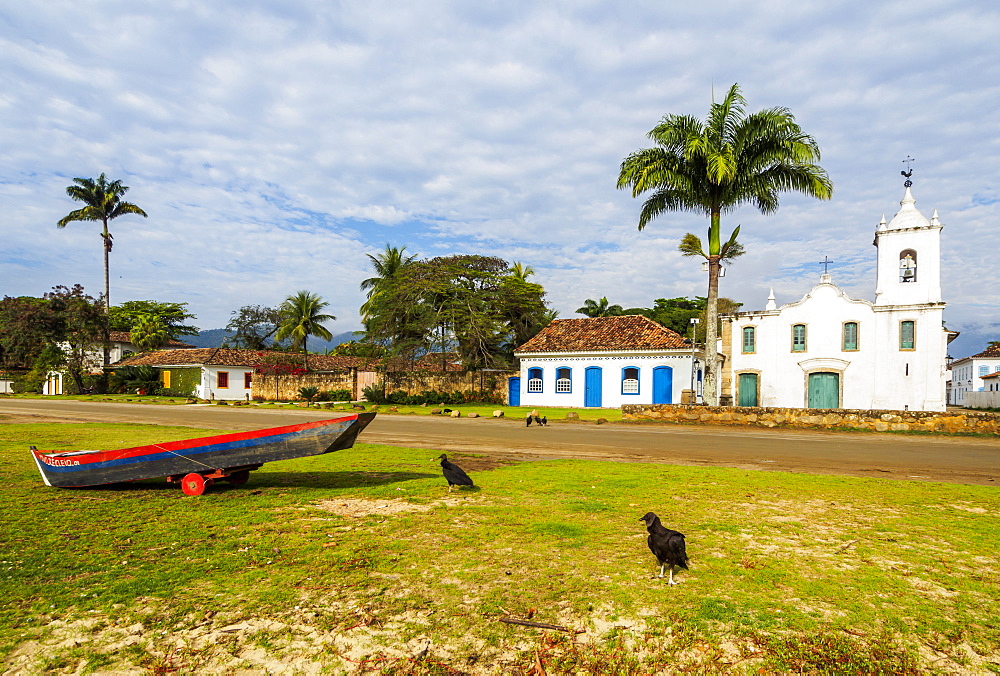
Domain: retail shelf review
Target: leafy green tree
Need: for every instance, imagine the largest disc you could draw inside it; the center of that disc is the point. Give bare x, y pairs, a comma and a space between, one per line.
103, 200
253, 328
302, 316
142, 378
149, 333
599, 308
713, 167
173, 315
477, 306
60, 330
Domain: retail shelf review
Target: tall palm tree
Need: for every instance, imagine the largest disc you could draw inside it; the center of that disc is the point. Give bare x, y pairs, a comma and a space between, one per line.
104, 203
387, 265
302, 316
713, 167
600, 308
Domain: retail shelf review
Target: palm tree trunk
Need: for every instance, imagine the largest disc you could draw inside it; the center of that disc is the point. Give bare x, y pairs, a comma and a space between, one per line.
107, 308
711, 333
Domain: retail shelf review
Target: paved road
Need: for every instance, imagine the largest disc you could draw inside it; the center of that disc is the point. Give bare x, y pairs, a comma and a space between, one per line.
915, 458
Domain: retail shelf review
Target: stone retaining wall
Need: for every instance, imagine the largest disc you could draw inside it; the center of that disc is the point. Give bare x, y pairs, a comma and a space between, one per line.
286, 387
952, 422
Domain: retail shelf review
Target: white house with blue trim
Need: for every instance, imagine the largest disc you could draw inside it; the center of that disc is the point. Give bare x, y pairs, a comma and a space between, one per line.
604, 362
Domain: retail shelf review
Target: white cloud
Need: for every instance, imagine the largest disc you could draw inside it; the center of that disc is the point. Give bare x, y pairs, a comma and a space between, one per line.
274, 144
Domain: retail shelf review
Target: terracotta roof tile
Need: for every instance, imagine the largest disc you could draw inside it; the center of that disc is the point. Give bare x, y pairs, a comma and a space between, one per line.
126, 337
991, 351
629, 332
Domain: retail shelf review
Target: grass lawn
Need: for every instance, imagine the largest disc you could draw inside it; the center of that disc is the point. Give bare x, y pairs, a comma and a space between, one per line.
361, 562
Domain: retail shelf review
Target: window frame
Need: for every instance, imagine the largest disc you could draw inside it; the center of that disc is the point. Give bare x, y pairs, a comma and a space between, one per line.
247, 380
913, 335
857, 337
222, 380
805, 343
637, 380
750, 330
534, 383
568, 380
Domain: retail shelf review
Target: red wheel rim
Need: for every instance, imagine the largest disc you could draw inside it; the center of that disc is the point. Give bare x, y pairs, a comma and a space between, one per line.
193, 484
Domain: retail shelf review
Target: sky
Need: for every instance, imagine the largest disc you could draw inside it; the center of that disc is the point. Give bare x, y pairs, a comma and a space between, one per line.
275, 145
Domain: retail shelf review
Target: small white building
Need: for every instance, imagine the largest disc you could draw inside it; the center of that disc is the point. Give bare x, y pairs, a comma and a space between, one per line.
120, 347
211, 372
829, 350
604, 362
967, 373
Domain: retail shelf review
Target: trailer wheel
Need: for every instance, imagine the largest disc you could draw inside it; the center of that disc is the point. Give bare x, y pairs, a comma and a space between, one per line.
195, 484
239, 478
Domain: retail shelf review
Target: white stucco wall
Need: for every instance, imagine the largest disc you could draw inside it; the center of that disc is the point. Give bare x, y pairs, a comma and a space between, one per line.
877, 375
209, 389
612, 366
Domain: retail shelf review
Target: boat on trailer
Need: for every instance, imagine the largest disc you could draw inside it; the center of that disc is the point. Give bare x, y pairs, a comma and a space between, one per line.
197, 463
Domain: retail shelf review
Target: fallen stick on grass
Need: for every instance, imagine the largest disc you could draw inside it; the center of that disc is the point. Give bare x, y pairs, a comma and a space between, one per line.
844, 546
540, 625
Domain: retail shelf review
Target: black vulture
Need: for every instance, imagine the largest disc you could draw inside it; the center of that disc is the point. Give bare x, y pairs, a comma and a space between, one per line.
667, 545
455, 475
528, 420
544, 421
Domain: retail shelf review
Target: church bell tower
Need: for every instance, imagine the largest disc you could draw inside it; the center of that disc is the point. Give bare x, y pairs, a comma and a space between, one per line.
909, 255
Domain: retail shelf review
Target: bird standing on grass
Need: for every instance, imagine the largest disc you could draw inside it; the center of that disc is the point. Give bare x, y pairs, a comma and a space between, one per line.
455, 475
667, 545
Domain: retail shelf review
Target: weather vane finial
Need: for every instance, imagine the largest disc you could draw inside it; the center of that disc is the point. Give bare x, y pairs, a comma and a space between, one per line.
909, 171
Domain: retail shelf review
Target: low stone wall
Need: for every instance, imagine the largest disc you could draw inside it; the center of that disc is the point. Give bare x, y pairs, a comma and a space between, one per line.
415, 382
286, 388
878, 421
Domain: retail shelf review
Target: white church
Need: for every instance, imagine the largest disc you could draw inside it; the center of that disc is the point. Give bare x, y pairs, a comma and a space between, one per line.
829, 350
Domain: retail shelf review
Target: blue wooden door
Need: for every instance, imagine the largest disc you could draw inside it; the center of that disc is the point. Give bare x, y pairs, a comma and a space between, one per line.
824, 390
592, 387
663, 385
514, 391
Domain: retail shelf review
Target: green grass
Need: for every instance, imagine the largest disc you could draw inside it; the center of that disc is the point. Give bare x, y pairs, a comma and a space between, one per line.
789, 572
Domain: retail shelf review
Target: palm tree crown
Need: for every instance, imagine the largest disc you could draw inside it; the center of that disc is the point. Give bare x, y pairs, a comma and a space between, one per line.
600, 308
104, 203
302, 316
713, 167
387, 265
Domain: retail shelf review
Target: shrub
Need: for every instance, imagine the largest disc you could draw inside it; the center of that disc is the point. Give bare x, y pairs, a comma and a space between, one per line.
308, 393
340, 395
375, 393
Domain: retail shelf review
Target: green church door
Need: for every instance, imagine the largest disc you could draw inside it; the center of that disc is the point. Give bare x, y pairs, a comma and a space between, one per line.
748, 389
824, 390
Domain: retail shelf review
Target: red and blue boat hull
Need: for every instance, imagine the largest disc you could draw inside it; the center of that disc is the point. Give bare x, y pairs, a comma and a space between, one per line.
202, 455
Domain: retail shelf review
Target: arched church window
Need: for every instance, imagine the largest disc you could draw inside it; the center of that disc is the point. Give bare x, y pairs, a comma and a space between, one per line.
908, 265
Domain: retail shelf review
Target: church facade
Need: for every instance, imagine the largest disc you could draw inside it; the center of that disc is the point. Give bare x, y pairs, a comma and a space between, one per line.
829, 350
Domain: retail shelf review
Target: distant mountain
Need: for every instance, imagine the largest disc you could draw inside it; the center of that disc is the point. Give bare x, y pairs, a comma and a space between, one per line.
208, 338
214, 338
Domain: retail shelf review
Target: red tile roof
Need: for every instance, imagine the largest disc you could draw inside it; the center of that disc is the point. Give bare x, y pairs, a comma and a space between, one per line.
991, 351
629, 332
220, 356
126, 337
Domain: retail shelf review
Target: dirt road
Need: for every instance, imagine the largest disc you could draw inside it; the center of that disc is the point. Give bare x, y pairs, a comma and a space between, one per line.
914, 458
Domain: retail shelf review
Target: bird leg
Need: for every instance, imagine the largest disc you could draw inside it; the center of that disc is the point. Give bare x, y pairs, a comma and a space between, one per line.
671, 581
662, 566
